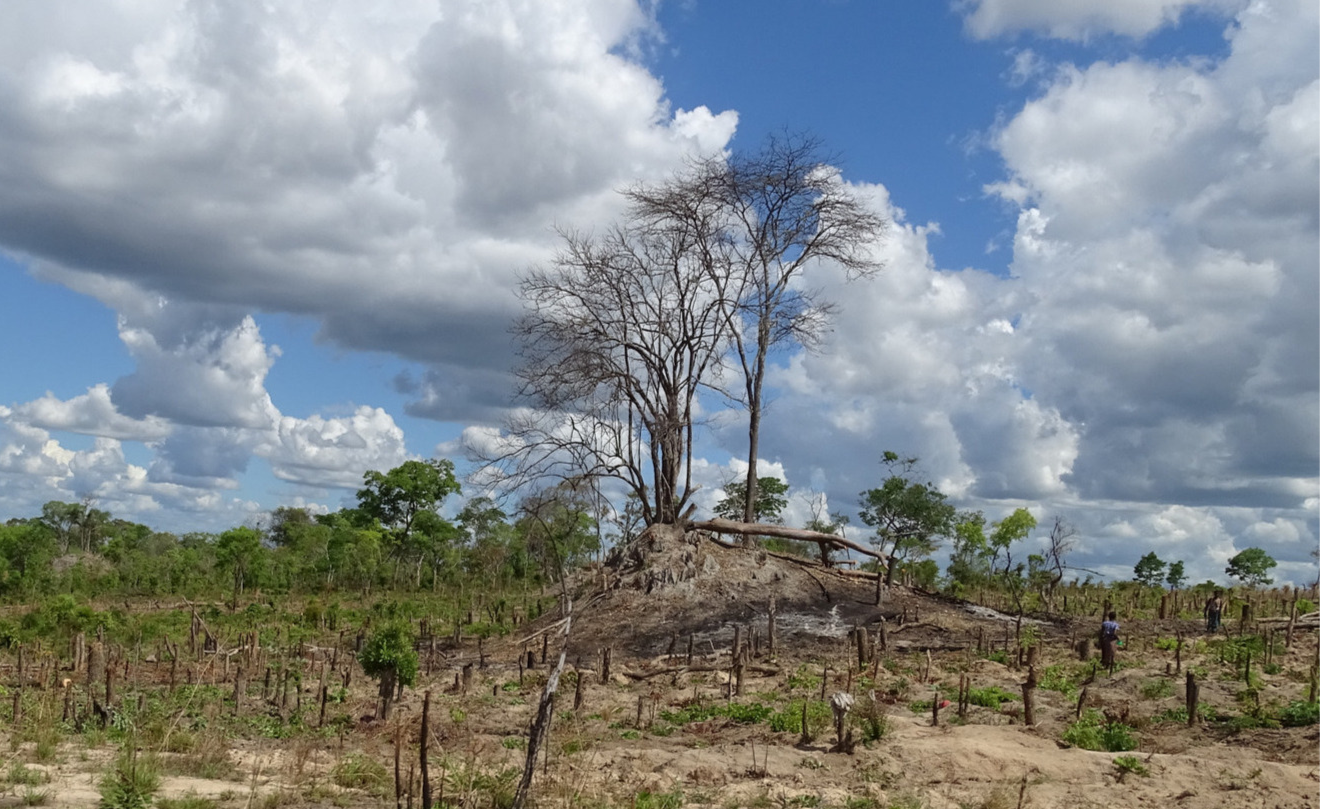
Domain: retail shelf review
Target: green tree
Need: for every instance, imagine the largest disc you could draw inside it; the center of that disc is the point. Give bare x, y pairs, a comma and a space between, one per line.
1177, 575
969, 562
559, 529
285, 524
27, 548
494, 548
388, 656
62, 519
1149, 570
771, 500
1013, 528
909, 518
239, 551
399, 498
1251, 567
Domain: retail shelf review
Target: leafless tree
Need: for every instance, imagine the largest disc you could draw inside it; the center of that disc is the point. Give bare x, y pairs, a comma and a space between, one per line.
618, 336
1062, 539
762, 221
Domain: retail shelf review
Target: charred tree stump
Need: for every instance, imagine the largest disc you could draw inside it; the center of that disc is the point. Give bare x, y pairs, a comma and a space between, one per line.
1193, 698
423, 750
1029, 698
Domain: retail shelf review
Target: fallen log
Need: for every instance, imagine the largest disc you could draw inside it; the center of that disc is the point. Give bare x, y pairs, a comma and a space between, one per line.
769, 671
722, 526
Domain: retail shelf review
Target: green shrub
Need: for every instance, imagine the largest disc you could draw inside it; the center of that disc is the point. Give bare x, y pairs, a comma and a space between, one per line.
1130, 764
356, 771
990, 697
647, 799
1158, 688
743, 714
789, 720
1058, 678
131, 782
1092, 732
1299, 713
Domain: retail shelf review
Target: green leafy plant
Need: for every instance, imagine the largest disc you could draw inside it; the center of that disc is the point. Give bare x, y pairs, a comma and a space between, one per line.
388, 656
1130, 765
356, 771
1157, 688
131, 782
989, 697
1058, 678
1093, 732
646, 799
1299, 713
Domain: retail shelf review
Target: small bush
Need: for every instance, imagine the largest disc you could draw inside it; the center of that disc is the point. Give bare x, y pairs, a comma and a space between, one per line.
1130, 764
1057, 678
991, 697
1158, 688
131, 782
789, 720
743, 714
1299, 713
647, 799
1092, 732
356, 771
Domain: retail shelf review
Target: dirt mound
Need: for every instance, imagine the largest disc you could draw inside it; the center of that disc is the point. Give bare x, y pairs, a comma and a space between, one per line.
668, 586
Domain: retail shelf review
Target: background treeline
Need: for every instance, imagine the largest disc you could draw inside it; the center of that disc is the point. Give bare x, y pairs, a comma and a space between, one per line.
395, 540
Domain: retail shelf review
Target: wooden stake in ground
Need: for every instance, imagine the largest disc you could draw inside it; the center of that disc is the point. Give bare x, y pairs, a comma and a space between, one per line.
398, 778
540, 728
1193, 695
1029, 698
423, 745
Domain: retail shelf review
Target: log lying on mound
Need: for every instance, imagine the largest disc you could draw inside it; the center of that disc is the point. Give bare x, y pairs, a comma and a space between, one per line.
721, 526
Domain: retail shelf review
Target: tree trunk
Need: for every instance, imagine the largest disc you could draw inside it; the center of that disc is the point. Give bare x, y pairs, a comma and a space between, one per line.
386, 696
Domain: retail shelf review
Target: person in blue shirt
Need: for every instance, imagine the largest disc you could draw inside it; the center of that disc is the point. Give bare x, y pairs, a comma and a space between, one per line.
1108, 640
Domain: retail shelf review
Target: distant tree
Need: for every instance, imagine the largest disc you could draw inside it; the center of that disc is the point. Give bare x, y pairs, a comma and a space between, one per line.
404, 500
1251, 567
1149, 570
239, 551
1177, 575
286, 522
909, 518
771, 500
388, 656
559, 527
823, 522
27, 548
62, 519
1013, 528
969, 562
1061, 540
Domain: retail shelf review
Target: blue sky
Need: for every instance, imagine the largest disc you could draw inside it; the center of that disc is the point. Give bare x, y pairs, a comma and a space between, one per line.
249, 252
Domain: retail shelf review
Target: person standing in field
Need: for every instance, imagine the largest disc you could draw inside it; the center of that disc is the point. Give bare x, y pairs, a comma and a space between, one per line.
1109, 641
1214, 610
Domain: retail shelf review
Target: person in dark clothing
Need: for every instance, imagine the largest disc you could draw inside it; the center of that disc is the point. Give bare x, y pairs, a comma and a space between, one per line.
1108, 640
1214, 610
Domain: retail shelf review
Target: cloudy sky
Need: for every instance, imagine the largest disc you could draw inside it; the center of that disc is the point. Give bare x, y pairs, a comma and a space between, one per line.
249, 250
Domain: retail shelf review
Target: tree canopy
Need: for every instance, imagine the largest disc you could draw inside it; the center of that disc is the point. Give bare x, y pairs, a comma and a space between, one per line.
1251, 567
909, 517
